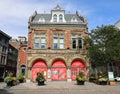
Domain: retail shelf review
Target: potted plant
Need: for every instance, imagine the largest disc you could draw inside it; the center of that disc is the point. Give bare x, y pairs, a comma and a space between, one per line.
10, 80
21, 78
40, 78
102, 79
80, 78
92, 78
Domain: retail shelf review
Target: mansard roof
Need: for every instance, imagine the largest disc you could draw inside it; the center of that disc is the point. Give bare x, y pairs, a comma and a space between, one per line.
35, 18
68, 17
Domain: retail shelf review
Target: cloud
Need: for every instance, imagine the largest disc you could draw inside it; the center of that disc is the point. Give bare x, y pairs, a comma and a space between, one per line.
15, 13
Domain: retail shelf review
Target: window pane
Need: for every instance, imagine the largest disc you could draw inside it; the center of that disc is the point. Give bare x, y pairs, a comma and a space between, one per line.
73, 43
37, 34
55, 35
61, 46
61, 35
79, 43
36, 45
43, 40
42, 34
73, 35
37, 40
42, 45
79, 35
55, 18
55, 40
55, 45
60, 18
61, 40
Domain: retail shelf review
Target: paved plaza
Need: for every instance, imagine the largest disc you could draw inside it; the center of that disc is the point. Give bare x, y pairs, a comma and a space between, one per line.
58, 87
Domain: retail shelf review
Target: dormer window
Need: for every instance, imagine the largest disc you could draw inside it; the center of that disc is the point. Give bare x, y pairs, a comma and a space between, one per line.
73, 19
41, 20
55, 18
60, 18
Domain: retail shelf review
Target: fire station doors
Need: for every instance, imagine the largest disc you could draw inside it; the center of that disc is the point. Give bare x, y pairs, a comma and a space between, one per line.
58, 71
76, 67
37, 67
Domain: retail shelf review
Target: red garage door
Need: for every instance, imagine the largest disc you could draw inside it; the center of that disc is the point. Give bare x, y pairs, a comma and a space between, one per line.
58, 70
76, 67
37, 67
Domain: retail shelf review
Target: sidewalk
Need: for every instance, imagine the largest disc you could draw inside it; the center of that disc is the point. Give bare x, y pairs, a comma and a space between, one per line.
62, 85
59, 87
2, 85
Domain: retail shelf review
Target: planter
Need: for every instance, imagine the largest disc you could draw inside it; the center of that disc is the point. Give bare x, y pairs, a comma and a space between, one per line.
112, 83
80, 82
40, 78
41, 83
12, 83
102, 82
92, 79
21, 80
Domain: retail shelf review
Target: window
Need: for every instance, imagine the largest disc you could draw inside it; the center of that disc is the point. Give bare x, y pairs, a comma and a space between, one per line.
73, 19
58, 41
39, 40
42, 42
73, 42
55, 43
60, 18
41, 19
76, 41
55, 18
36, 44
61, 43
24, 49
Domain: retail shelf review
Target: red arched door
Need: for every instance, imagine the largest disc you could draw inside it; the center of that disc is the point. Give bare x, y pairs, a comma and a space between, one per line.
58, 70
39, 66
76, 67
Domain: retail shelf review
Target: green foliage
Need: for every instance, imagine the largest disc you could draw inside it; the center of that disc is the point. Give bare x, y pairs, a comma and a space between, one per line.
102, 76
21, 77
80, 77
9, 78
104, 44
40, 77
92, 76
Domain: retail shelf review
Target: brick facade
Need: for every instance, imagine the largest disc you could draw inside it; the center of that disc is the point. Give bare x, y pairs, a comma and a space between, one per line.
51, 56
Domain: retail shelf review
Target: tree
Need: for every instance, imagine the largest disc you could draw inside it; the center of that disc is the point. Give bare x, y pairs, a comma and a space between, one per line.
104, 46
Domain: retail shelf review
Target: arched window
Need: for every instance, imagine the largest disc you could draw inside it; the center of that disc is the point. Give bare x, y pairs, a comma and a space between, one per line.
60, 18
55, 18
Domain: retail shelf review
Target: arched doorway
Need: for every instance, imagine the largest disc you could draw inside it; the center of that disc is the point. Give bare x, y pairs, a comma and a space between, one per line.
39, 66
76, 67
23, 69
58, 70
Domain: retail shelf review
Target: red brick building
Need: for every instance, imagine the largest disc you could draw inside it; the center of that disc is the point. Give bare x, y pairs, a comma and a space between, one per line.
56, 46
21, 67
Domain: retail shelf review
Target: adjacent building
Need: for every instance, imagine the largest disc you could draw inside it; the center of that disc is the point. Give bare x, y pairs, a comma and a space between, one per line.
12, 56
117, 24
4, 45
